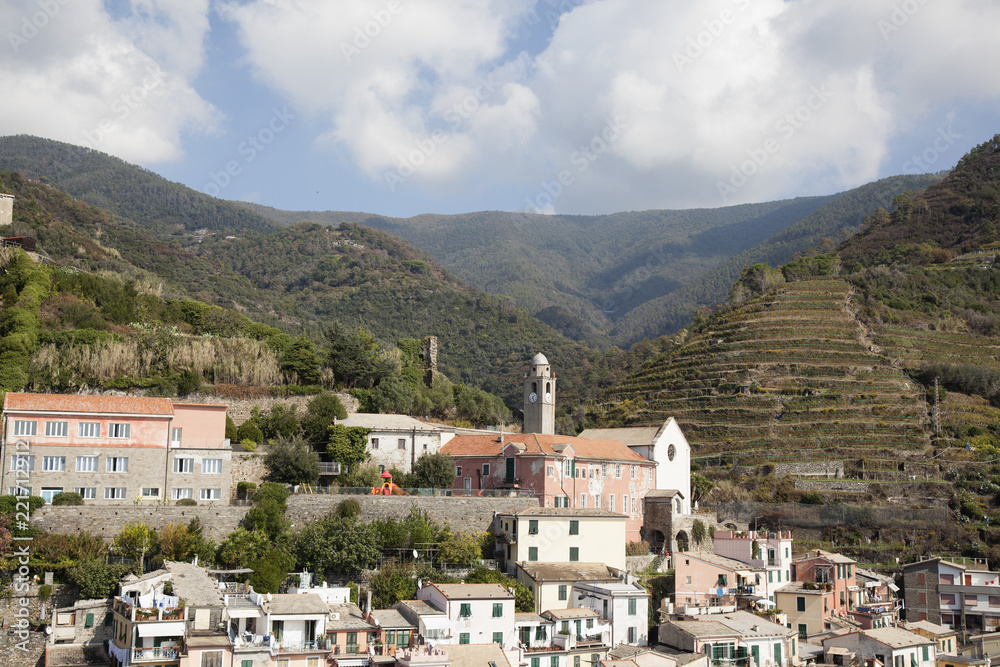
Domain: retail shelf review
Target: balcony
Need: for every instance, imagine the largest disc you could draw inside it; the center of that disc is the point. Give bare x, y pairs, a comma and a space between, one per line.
329, 468
156, 654
350, 649
311, 646
509, 483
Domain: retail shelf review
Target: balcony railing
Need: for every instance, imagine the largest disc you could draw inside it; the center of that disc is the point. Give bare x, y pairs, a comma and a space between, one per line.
349, 649
329, 468
155, 654
303, 647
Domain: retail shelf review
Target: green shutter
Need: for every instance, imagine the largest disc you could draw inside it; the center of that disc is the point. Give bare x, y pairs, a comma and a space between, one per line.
89, 623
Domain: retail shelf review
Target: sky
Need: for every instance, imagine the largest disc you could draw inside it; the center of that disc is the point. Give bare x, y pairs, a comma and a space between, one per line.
403, 107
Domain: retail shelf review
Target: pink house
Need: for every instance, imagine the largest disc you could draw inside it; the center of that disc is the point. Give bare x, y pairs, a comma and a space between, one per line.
562, 471
705, 579
835, 572
114, 449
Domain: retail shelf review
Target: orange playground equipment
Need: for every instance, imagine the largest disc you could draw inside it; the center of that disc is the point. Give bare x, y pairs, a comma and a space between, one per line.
388, 487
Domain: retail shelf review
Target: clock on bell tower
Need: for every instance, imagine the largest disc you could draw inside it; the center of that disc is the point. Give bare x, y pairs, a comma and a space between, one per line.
540, 397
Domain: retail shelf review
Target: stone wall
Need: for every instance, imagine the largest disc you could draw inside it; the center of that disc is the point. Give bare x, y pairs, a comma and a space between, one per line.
832, 485
247, 467
239, 409
462, 514
834, 469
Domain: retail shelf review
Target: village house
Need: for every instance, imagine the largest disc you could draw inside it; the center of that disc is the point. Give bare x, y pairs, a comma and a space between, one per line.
944, 638
768, 551
561, 471
961, 594
879, 607
891, 647
808, 607
397, 441
476, 613
624, 604
433, 625
705, 579
114, 449
394, 631
835, 572
730, 637
561, 535
552, 583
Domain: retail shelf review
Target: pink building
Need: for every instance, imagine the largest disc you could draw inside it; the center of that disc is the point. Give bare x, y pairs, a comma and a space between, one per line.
835, 572
114, 449
705, 579
562, 471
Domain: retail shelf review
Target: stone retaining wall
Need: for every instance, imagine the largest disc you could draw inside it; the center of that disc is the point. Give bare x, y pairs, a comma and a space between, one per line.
462, 514
834, 469
832, 485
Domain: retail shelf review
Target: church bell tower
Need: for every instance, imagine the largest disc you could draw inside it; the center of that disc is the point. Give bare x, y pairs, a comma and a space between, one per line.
540, 397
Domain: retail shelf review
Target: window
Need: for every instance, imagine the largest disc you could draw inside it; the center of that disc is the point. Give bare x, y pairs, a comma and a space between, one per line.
576, 661
618, 471
611, 502
150, 492
947, 598
463, 638
532, 554
583, 500
554, 661
312, 662
498, 638
403, 638
211, 494
53, 463
800, 604
25, 427
562, 591
118, 430
723, 581
926, 653
486, 470
89, 429
550, 471
574, 554
465, 611
19, 491
401, 443
498, 610
211, 659
803, 631
969, 599
597, 501
374, 443
631, 607
114, 493
175, 437
88, 492
458, 471
633, 504
770, 576
590, 624
540, 635
532, 526
86, 464
183, 464
604, 470
56, 429
535, 661
22, 462
177, 494
632, 635
117, 464
211, 466
574, 527
49, 491
994, 600
624, 504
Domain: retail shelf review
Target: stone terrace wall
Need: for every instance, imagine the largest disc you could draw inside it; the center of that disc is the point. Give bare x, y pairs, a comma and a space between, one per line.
462, 514
833, 469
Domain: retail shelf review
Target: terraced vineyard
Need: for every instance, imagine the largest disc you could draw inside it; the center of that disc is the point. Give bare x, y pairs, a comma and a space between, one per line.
791, 376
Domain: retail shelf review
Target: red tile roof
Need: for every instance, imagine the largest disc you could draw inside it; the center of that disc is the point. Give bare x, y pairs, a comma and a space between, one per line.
536, 443
121, 405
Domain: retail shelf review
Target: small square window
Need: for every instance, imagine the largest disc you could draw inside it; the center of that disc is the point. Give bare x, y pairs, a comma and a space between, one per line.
562, 592
119, 430
458, 471
211, 494
183, 464
532, 554
56, 429
117, 464
25, 428
88, 492
465, 611
498, 638
463, 638
574, 554
89, 429
374, 443
574, 527
401, 443
211, 466
486, 470
498, 610
532, 526
114, 493
150, 492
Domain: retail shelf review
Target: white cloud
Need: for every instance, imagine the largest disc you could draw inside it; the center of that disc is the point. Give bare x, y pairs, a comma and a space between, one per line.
72, 72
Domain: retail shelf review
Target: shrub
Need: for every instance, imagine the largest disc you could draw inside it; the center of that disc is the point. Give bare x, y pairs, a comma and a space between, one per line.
67, 498
187, 502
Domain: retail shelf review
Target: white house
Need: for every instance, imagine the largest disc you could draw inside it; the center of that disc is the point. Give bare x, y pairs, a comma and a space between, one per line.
664, 444
552, 583
397, 441
892, 647
561, 535
477, 613
770, 552
735, 636
624, 604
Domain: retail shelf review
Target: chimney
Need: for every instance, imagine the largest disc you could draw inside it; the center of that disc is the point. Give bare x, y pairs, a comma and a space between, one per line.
368, 601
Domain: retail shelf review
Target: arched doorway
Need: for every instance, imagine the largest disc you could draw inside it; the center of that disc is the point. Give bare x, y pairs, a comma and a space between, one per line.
656, 540
682, 540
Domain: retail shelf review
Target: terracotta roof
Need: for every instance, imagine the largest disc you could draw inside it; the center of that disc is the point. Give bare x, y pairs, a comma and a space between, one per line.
537, 443
119, 405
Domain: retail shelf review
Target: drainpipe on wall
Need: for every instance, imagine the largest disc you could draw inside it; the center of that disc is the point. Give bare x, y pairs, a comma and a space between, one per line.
413, 449
166, 461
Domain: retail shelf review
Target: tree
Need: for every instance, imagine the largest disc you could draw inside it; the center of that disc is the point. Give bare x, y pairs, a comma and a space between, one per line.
393, 395
242, 546
135, 541
301, 363
291, 461
341, 545
354, 356
268, 515
698, 531
175, 541
461, 548
279, 423
320, 414
435, 471
348, 444
392, 583
270, 571
95, 578
700, 487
